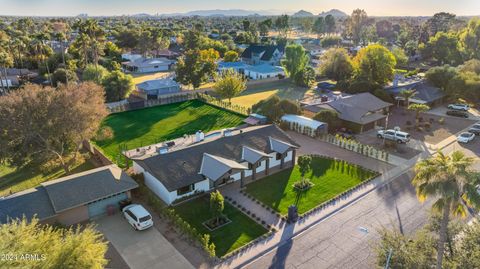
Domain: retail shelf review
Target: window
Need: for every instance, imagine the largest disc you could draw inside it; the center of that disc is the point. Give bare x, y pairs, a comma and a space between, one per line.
156, 66
186, 189
131, 215
279, 156
142, 219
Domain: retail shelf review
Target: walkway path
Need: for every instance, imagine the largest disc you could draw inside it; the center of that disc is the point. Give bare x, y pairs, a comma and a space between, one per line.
233, 191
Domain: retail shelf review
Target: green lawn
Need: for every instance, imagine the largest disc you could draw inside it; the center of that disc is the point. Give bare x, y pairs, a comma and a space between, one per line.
156, 124
237, 233
330, 177
284, 89
15, 180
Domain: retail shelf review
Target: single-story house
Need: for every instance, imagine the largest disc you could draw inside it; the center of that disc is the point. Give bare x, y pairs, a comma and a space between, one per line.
304, 125
263, 71
71, 199
359, 112
155, 88
425, 93
236, 66
238, 155
148, 65
262, 54
254, 72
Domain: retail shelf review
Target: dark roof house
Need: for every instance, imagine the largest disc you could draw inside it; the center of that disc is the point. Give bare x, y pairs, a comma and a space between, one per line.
425, 93
263, 54
183, 167
53, 198
364, 109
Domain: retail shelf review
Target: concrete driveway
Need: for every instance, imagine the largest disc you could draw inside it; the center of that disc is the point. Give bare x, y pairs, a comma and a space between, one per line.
141, 249
473, 113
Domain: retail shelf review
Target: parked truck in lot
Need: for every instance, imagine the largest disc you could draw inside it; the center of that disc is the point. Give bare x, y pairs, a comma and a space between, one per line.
394, 135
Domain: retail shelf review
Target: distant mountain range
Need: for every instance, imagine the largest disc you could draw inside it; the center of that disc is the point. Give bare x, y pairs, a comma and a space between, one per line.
224, 13
303, 13
335, 13
244, 12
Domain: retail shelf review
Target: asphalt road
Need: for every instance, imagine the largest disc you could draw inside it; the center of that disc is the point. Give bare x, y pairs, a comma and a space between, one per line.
346, 239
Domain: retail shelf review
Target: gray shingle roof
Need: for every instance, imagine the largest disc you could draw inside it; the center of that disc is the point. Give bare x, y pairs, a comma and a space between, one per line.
82, 188
27, 203
423, 91
214, 167
251, 155
357, 108
181, 168
280, 146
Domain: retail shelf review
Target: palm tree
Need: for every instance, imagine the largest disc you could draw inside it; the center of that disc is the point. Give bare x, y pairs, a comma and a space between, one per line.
449, 180
407, 94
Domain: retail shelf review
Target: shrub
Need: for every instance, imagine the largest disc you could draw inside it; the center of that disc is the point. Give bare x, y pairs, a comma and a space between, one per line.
431, 120
427, 126
441, 121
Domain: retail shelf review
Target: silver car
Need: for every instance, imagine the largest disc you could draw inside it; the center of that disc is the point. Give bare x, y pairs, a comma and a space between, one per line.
398, 136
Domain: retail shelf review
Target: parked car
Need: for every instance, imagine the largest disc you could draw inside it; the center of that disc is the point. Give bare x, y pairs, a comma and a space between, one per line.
457, 113
465, 137
138, 217
461, 107
398, 136
475, 129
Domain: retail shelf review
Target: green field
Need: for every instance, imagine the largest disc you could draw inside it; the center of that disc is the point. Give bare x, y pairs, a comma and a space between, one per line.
148, 126
15, 180
331, 177
284, 89
233, 235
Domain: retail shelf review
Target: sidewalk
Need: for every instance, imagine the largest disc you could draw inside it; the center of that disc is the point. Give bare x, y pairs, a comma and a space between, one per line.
287, 231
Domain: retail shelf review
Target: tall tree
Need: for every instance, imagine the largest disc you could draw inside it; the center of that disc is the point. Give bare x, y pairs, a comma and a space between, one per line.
356, 25
296, 60
46, 124
337, 65
448, 180
375, 64
118, 86
230, 84
418, 108
319, 26
71, 248
283, 25
230, 56
443, 47
330, 24
196, 67
407, 94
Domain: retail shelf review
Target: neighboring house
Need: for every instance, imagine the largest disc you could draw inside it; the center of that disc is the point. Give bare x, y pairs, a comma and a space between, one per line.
131, 56
153, 89
425, 93
165, 53
264, 71
147, 65
304, 125
14, 76
254, 72
208, 164
262, 54
359, 112
72, 199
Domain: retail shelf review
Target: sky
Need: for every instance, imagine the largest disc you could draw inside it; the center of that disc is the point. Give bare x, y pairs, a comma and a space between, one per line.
126, 7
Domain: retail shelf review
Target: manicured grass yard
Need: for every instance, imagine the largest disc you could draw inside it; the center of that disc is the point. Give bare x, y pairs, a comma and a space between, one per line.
330, 177
284, 89
15, 180
227, 238
156, 124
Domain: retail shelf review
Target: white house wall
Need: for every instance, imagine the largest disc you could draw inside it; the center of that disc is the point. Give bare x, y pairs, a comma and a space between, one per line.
154, 185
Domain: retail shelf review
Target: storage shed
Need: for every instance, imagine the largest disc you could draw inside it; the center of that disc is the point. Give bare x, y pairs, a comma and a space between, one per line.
304, 125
